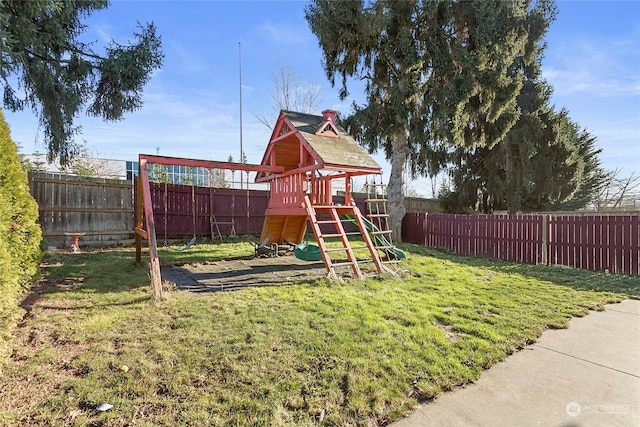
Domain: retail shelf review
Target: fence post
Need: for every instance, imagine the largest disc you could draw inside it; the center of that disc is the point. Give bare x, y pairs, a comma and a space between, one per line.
545, 237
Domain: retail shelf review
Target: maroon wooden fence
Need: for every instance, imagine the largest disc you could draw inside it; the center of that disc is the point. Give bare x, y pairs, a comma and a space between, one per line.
596, 243
180, 211
593, 242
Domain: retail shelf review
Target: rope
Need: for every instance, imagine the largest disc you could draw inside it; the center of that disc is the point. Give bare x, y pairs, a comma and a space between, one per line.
166, 209
247, 223
233, 204
193, 208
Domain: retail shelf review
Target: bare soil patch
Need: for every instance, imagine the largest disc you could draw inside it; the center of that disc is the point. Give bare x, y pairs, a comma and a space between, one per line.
242, 273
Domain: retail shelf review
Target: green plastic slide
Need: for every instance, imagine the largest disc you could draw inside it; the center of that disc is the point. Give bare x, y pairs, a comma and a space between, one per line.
379, 239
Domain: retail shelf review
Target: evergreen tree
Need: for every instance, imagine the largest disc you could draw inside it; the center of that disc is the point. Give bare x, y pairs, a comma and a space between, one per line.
544, 162
21, 237
566, 173
59, 74
436, 73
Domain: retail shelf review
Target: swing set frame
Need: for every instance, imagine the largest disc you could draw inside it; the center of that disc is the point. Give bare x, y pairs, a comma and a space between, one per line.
145, 224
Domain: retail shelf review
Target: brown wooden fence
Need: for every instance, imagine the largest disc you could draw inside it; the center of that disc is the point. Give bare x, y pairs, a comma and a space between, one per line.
592, 242
100, 208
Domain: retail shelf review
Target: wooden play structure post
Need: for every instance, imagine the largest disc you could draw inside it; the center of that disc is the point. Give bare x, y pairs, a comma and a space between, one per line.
145, 223
144, 194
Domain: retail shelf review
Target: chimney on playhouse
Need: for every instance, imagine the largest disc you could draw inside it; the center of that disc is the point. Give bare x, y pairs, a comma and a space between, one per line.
329, 115
328, 126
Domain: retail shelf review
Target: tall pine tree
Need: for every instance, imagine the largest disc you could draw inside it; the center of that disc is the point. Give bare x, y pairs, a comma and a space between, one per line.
436, 72
545, 162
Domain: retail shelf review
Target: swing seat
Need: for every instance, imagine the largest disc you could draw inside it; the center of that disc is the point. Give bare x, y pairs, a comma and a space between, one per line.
188, 246
191, 242
263, 249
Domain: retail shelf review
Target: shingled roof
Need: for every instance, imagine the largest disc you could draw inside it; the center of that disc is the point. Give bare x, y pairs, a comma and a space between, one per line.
309, 141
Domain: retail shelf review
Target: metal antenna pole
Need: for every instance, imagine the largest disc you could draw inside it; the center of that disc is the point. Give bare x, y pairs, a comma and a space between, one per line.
240, 68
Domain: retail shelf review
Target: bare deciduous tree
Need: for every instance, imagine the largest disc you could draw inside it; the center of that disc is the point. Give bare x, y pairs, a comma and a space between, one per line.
620, 193
90, 164
289, 93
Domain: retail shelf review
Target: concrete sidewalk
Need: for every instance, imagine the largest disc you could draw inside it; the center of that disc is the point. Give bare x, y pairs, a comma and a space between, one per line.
586, 375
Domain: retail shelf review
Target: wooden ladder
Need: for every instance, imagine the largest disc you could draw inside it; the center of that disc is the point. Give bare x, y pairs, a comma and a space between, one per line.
376, 202
334, 212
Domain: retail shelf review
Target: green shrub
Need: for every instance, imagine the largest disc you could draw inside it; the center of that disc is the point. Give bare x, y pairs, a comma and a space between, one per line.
20, 238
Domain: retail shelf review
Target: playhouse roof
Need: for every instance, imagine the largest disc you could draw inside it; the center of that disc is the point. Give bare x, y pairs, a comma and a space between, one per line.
309, 141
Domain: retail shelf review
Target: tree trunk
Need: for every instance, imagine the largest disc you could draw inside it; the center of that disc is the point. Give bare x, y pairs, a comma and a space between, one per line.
512, 192
395, 193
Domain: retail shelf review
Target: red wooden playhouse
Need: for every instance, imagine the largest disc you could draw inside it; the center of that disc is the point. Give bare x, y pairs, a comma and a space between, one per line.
306, 157
315, 153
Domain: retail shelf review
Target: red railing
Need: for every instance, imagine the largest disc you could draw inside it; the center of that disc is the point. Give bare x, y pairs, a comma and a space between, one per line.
321, 191
287, 191
597, 243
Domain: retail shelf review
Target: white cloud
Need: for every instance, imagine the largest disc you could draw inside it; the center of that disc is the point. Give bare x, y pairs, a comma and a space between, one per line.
279, 33
596, 76
182, 57
104, 34
587, 79
188, 107
601, 66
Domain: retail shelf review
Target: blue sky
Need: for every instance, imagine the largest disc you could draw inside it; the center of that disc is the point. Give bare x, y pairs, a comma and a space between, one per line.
192, 105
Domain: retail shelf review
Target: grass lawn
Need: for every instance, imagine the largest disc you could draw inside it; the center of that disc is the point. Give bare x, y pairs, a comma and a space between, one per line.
355, 353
